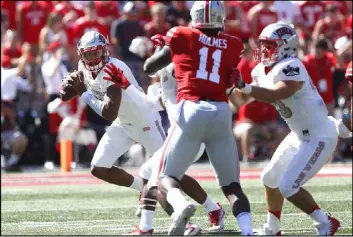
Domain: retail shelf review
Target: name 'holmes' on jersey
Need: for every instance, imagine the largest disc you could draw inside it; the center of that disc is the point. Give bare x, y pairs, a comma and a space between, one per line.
203, 72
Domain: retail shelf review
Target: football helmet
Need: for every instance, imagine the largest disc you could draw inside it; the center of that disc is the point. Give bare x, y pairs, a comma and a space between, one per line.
93, 49
208, 15
276, 42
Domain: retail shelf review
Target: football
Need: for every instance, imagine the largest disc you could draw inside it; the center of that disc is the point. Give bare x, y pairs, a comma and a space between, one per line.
67, 91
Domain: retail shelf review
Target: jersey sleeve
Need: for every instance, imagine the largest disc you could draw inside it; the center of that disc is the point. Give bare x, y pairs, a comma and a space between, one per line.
255, 75
291, 70
174, 38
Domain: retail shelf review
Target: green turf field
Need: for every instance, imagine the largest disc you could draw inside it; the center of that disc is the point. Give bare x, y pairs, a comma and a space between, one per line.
103, 209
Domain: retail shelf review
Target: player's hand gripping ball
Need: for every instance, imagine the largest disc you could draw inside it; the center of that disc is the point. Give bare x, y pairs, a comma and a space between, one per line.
68, 91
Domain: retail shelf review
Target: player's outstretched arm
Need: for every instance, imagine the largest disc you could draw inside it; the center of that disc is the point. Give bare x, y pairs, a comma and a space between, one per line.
281, 91
158, 61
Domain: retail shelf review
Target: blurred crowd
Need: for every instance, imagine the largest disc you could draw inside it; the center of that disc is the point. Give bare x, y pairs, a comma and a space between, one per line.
38, 49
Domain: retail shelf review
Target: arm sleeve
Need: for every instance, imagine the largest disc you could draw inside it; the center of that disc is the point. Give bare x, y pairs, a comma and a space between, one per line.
291, 71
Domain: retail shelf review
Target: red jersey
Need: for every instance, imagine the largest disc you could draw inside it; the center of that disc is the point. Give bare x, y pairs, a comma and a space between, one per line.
82, 25
310, 13
202, 63
15, 53
258, 112
349, 72
349, 25
321, 73
108, 9
34, 18
9, 8
243, 32
151, 29
333, 31
341, 5
245, 68
265, 17
245, 5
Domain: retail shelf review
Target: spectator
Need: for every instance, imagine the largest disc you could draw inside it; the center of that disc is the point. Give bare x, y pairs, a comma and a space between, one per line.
143, 12
66, 7
259, 16
310, 13
178, 14
331, 27
52, 31
349, 26
11, 138
344, 7
88, 22
53, 71
12, 50
236, 23
107, 12
158, 25
320, 65
123, 31
32, 16
287, 11
8, 8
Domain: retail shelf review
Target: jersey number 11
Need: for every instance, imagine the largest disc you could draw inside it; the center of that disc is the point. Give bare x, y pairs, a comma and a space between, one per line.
202, 73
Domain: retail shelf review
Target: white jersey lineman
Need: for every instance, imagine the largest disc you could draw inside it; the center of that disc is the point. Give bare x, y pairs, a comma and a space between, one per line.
313, 135
137, 121
168, 94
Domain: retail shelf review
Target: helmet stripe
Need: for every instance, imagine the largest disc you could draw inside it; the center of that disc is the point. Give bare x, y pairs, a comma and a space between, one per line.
207, 11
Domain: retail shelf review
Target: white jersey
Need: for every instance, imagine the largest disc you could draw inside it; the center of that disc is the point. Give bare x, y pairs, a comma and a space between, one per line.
305, 111
129, 111
167, 90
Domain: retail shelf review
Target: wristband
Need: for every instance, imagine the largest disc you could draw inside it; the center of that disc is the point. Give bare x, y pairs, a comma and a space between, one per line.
93, 102
246, 89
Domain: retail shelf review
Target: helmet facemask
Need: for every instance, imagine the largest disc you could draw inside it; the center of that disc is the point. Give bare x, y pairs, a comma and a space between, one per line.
94, 58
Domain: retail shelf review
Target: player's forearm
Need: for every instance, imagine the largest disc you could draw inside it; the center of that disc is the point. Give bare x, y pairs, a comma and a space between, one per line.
157, 61
262, 94
102, 108
238, 98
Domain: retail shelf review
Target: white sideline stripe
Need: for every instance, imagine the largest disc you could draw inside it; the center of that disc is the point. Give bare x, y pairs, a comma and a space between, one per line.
11, 204
33, 224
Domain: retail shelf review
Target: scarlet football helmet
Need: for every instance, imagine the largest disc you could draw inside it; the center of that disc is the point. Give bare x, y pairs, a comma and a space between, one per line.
93, 49
277, 41
208, 15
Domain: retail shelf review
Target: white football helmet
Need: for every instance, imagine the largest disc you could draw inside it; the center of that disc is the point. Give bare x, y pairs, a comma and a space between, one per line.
93, 49
208, 15
277, 41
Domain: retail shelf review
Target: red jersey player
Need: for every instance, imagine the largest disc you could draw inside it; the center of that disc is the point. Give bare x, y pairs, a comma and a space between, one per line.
204, 59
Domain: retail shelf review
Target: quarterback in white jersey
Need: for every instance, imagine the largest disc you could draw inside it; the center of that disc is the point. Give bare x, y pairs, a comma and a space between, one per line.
134, 118
281, 79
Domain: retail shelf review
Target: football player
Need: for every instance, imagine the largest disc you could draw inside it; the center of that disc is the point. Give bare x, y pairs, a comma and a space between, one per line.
281, 79
134, 118
203, 57
165, 98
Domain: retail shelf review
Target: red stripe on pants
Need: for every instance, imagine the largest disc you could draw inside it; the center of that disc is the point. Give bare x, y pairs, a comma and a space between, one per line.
161, 163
